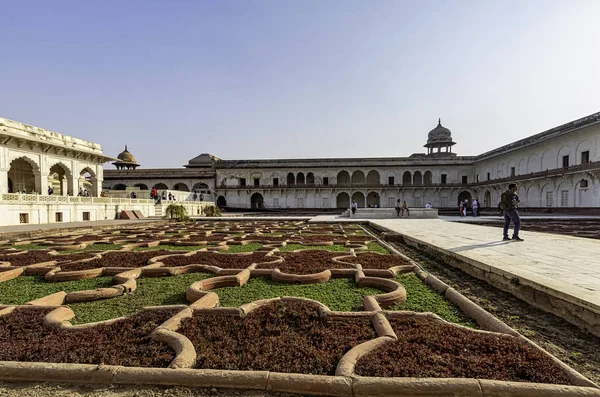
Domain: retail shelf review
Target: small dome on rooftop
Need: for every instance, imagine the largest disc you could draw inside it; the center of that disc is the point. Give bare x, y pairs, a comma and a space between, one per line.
439, 134
126, 157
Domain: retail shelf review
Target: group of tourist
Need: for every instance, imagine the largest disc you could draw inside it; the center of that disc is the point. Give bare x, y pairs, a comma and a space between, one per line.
463, 206
82, 192
401, 207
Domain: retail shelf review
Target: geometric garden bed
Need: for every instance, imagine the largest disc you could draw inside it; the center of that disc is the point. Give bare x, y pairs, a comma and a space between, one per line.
232, 306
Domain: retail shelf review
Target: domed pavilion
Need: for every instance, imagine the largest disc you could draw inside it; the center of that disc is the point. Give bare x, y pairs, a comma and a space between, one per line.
126, 160
440, 138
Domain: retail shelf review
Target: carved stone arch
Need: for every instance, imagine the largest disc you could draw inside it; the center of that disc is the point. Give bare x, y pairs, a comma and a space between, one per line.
358, 178
61, 168
24, 175
343, 178
180, 186
291, 178
534, 196
373, 178
565, 150
428, 178
342, 200
533, 163
417, 178
522, 167
548, 161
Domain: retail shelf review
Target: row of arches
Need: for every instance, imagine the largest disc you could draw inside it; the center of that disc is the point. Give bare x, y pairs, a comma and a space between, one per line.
25, 175
182, 187
372, 178
344, 199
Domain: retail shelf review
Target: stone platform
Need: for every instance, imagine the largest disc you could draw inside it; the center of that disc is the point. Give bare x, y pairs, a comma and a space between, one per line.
390, 213
559, 274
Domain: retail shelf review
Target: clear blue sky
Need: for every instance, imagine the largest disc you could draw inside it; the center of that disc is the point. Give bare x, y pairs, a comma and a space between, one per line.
282, 79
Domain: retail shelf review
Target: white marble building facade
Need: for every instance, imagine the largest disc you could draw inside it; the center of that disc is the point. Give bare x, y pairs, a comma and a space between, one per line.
558, 168
32, 159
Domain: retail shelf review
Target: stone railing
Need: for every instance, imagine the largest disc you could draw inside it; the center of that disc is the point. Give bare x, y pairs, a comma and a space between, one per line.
14, 198
594, 165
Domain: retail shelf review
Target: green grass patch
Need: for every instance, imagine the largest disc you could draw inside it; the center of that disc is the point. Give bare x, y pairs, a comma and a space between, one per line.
171, 247
30, 247
23, 289
294, 247
154, 291
376, 247
340, 294
243, 248
422, 298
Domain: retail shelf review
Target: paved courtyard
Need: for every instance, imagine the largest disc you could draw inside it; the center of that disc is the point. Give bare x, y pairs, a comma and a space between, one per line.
563, 266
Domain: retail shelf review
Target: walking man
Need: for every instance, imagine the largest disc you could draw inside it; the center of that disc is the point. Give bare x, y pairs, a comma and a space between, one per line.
354, 207
398, 206
509, 202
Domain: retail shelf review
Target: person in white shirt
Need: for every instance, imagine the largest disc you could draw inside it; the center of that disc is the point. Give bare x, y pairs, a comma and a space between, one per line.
354, 206
475, 208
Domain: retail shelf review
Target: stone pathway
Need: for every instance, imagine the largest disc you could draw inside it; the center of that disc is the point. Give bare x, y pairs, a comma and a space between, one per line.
562, 266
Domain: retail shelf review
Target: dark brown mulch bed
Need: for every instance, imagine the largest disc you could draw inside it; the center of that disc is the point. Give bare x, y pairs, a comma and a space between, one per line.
307, 262
225, 261
281, 337
370, 260
118, 259
72, 257
23, 337
428, 348
28, 258
82, 239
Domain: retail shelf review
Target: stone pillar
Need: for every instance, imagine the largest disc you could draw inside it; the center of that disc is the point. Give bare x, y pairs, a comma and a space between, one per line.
74, 184
3, 180
41, 182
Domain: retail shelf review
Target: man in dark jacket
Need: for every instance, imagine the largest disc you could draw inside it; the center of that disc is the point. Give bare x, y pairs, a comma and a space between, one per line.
509, 202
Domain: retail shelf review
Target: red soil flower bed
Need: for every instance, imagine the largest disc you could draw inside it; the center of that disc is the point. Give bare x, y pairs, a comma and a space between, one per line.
281, 336
307, 262
429, 348
90, 238
371, 260
23, 337
118, 259
28, 258
225, 261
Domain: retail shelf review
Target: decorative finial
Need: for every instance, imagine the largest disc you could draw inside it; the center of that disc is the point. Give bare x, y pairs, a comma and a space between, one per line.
440, 121
125, 147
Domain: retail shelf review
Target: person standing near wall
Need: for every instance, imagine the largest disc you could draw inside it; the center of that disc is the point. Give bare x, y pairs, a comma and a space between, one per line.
354, 206
475, 207
398, 207
509, 202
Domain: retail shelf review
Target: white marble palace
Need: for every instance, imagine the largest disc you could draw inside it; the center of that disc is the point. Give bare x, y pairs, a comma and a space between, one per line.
557, 168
